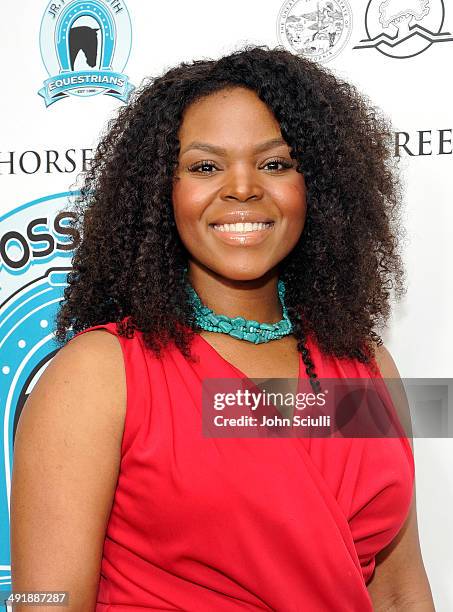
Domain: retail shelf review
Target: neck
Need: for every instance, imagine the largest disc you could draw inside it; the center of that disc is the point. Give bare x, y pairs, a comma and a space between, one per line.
255, 299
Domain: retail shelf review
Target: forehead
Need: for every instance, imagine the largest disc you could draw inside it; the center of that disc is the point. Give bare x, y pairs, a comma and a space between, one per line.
229, 115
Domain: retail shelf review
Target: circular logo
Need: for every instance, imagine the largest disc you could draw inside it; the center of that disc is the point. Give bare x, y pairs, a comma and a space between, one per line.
318, 30
403, 30
85, 46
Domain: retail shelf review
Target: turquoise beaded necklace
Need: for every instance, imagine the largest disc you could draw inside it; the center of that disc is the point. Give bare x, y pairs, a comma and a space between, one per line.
238, 327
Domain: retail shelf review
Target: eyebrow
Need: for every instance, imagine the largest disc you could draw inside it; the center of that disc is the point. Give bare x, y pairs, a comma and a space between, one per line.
210, 148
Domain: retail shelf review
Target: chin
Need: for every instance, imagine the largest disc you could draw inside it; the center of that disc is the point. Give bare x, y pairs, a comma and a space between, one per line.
245, 273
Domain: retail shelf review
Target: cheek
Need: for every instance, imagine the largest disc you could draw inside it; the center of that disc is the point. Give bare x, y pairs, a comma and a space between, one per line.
189, 201
291, 198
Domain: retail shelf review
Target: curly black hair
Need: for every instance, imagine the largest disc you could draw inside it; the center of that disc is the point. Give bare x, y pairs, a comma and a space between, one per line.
128, 263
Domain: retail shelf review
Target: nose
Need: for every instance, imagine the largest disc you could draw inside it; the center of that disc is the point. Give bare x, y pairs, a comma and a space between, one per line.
241, 184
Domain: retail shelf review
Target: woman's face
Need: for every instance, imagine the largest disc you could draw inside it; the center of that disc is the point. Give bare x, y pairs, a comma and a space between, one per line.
235, 167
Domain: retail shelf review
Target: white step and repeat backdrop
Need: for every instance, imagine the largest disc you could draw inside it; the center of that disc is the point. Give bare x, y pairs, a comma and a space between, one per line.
397, 52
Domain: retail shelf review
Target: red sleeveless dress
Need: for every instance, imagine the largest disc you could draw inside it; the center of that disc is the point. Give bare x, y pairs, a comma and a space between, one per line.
218, 525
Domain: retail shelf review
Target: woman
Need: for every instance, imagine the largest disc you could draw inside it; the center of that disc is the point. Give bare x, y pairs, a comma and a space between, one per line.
133, 508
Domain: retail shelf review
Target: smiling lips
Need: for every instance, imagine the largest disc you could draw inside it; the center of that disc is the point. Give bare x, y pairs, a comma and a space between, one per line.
242, 216
242, 227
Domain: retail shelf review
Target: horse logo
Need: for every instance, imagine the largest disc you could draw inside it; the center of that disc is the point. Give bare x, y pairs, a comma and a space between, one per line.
403, 28
318, 30
83, 38
85, 46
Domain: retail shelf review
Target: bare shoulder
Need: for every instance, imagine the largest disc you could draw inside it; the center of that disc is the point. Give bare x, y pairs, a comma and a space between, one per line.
386, 362
395, 386
95, 344
67, 454
88, 370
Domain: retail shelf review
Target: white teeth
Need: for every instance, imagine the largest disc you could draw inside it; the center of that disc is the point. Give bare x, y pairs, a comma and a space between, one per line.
241, 227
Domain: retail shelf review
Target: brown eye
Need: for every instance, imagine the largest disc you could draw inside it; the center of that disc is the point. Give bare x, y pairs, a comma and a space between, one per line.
202, 167
284, 163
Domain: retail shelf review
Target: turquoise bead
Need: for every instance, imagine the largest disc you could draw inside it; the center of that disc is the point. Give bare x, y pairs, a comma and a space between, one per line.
238, 327
238, 321
250, 337
225, 326
267, 326
237, 333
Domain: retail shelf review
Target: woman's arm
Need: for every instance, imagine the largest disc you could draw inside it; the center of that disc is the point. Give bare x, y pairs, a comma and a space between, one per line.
399, 582
65, 468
